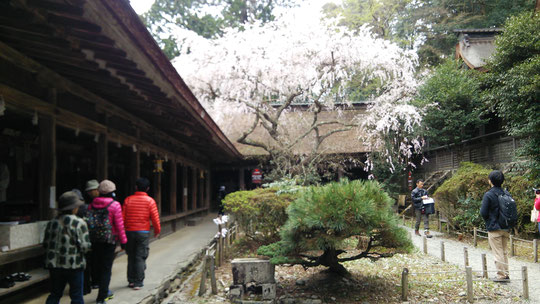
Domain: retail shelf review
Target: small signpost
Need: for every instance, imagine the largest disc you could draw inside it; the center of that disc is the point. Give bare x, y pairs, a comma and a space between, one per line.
256, 176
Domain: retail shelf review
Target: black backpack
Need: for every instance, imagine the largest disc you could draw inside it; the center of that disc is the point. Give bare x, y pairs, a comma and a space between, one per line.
99, 225
508, 214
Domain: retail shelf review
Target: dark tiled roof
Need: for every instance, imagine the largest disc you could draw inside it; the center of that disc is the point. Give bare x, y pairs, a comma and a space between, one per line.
480, 30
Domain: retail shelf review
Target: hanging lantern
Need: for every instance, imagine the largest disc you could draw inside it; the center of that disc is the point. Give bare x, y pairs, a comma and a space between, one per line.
158, 166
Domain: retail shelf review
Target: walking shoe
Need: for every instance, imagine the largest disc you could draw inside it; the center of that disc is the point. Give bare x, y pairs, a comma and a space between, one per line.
426, 233
131, 285
138, 286
505, 279
417, 232
110, 295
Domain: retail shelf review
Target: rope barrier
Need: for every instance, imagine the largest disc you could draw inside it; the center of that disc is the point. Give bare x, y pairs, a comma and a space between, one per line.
522, 246
522, 240
436, 272
435, 283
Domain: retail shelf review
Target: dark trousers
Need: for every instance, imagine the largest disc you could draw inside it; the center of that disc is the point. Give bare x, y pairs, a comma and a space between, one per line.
419, 215
87, 287
137, 250
103, 258
59, 278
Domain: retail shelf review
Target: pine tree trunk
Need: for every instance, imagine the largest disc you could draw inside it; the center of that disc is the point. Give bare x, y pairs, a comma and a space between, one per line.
330, 260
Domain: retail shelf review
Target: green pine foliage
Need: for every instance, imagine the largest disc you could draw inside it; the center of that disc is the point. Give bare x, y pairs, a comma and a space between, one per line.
322, 218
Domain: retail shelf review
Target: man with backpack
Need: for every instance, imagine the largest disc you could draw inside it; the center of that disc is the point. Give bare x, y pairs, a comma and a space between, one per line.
106, 227
500, 214
139, 209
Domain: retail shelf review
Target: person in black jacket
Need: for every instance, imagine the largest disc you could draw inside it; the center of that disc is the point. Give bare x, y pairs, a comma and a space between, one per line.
418, 195
497, 237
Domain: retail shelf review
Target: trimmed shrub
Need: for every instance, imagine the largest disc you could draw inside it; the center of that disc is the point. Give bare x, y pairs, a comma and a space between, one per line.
259, 212
459, 198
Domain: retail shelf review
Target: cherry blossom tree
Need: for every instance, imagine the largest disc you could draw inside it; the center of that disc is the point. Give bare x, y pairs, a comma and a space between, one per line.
265, 70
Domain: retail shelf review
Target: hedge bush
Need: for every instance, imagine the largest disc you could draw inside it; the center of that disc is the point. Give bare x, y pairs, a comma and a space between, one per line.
259, 212
459, 198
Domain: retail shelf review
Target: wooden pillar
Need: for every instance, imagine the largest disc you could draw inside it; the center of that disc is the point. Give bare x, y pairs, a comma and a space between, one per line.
241, 179
208, 189
47, 166
102, 156
157, 188
185, 188
200, 188
194, 190
135, 169
173, 185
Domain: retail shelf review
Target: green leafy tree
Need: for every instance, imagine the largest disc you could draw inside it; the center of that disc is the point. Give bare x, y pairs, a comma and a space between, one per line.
426, 25
452, 104
513, 83
379, 14
323, 218
208, 18
430, 23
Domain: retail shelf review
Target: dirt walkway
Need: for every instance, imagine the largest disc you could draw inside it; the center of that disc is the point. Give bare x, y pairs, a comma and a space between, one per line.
454, 254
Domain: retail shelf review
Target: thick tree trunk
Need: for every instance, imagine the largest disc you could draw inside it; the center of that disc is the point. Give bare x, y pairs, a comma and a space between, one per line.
330, 260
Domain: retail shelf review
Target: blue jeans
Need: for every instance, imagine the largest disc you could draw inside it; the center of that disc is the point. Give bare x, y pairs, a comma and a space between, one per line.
59, 278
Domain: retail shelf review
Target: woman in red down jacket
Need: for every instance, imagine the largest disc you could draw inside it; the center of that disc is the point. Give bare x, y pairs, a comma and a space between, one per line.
103, 252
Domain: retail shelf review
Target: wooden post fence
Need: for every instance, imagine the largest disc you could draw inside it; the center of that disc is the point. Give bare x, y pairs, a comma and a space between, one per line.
404, 284
484, 266
535, 250
525, 280
443, 257
512, 248
466, 256
208, 266
468, 276
424, 240
475, 235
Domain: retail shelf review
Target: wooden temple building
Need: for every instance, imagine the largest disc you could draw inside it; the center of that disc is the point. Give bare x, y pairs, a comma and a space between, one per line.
86, 93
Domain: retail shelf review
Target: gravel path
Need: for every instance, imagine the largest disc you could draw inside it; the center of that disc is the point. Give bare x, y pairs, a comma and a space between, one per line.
454, 254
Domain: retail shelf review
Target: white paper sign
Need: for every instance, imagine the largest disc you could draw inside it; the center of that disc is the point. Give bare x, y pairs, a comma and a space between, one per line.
52, 197
428, 201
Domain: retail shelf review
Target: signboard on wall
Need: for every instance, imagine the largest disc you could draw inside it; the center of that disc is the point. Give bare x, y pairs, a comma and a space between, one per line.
256, 176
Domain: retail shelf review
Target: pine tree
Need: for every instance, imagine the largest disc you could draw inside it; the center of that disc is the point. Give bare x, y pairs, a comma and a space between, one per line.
323, 218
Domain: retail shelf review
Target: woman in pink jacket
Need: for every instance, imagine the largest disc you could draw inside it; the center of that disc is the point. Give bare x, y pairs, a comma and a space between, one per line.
104, 239
537, 205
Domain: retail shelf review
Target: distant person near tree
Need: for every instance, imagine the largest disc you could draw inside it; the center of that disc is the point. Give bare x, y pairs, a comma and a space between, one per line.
139, 209
220, 196
498, 235
66, 241
418, 195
